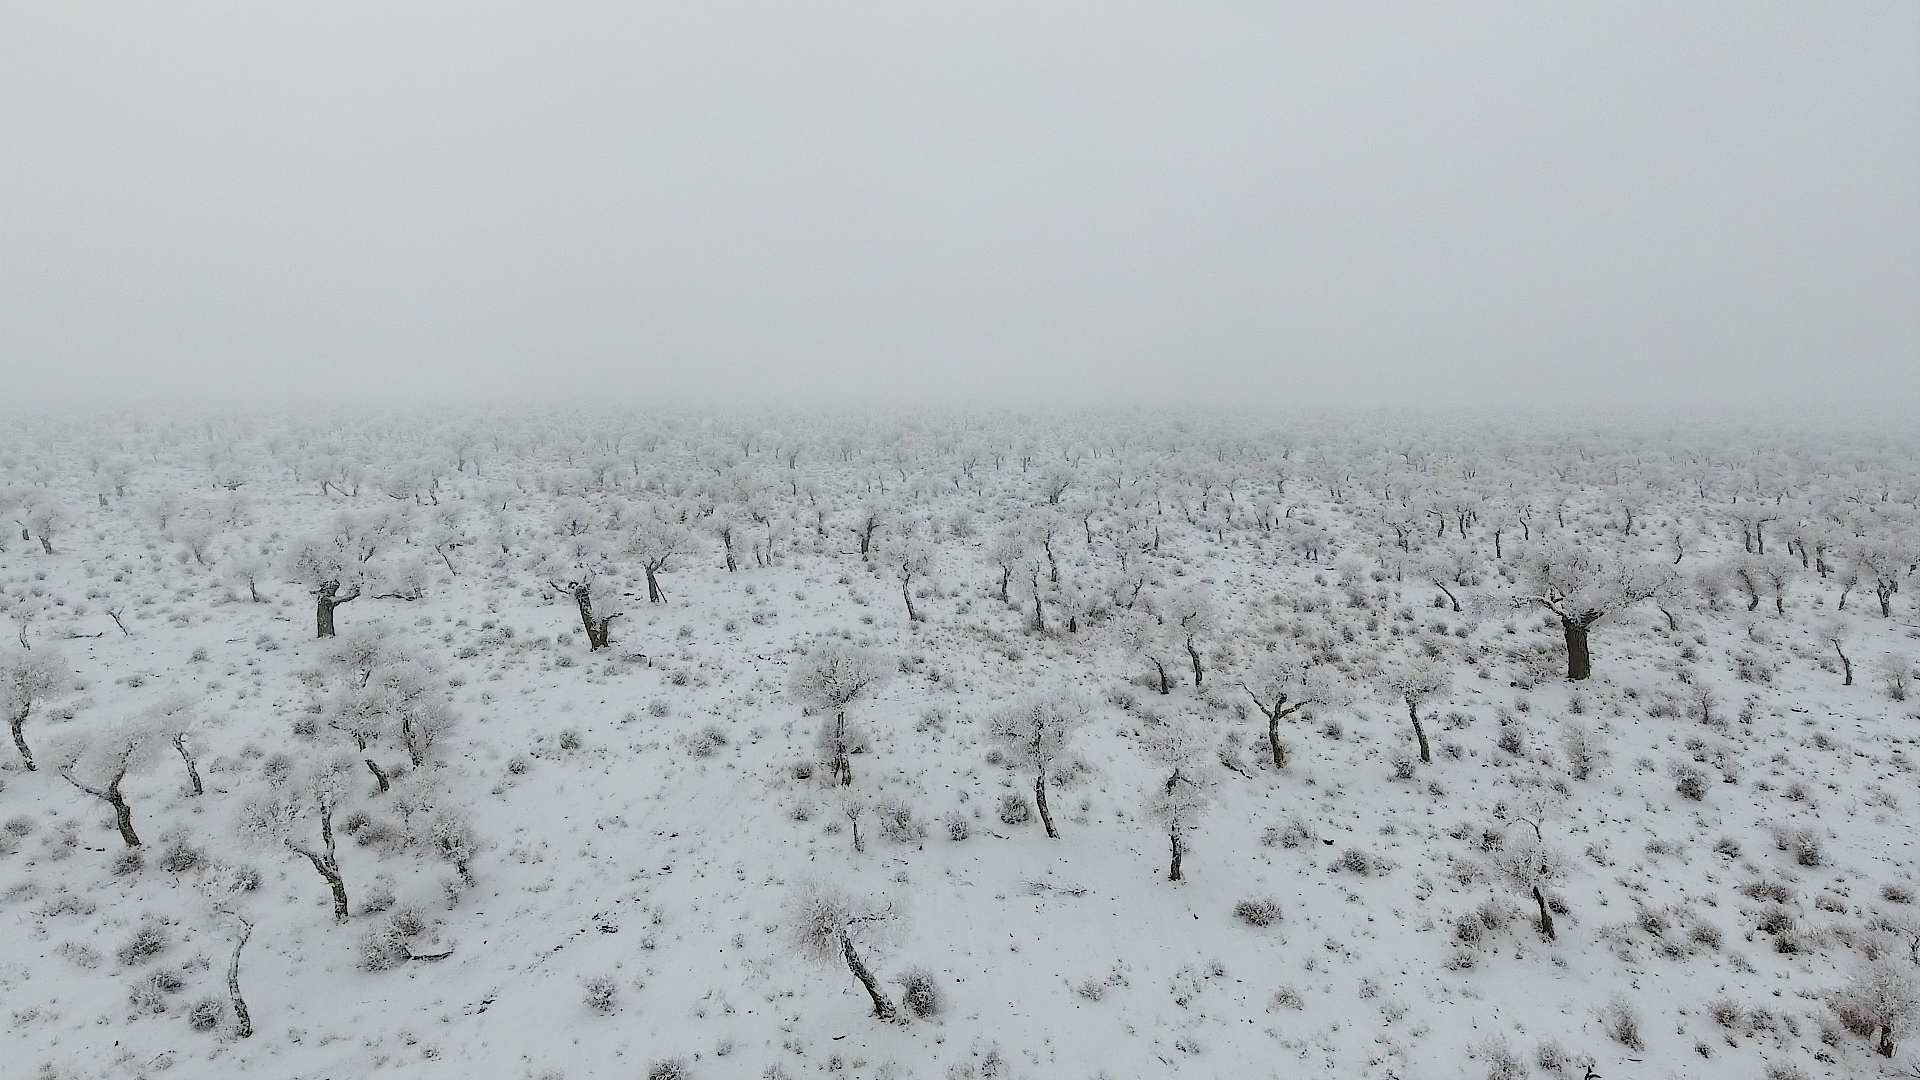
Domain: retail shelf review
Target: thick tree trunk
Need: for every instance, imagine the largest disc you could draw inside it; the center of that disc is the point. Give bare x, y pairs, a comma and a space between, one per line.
654, 594
46, 545
122, 814
583, 599
1165, 686
1273, 740
1193, 654
1179, 850
1579, 663
330, 870
379, 776
842, 764
906, 593
242, 1020
18, 724
1546, 916
1040, 798
882, 1008
1419, 734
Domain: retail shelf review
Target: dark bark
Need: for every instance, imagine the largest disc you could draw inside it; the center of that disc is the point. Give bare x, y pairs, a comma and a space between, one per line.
1166, 687
1579, 663
882, 1008
842, 764
1040, 798
1194, 655
1179, 850
1273, 740
193, 771
906, 593
654, 593
379, 775
327, 598
1546, 916
242, 1020
122, 813
46, 545
328, 865
1846, 665
18, 724
1419, 733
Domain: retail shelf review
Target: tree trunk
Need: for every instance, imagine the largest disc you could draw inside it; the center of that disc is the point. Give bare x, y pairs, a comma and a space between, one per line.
596, 634
1165, 686
1885, 1046
46, 545
193, 772
654, 595
1179, 849
1419, 733
1579, 663
842, 764
1546, 916
379, 775
1846, 665
1040, 798
882, 1008
1194, 655
242, 1020
122, 814
19, 724
1273, 740
906, 593
330, 870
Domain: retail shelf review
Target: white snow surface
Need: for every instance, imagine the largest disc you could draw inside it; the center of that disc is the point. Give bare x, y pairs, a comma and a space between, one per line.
641, 818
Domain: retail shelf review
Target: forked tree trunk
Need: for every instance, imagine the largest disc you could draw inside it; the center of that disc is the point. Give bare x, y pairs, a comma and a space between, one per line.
1040, 798
842, 763
654, 595
882, 1008
122, 813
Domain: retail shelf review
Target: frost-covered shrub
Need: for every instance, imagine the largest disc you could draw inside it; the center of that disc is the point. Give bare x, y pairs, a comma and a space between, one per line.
1622, 1023
207, 1014
149, 940
919, 993
1804, 844
894, 818
1690, 782
1014, 809
602, 994
958, 828
1291, 835
669, 1069
1258, 911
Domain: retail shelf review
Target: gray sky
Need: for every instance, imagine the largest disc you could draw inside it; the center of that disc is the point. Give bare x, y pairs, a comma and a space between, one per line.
1440, 203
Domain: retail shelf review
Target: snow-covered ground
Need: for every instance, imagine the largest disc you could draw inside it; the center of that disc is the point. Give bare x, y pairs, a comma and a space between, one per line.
1734, 865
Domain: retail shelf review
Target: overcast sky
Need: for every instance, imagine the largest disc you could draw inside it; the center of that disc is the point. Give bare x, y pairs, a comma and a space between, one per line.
1716, 203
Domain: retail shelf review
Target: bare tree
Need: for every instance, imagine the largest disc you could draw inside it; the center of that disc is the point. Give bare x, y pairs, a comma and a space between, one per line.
327, 564
911, 560
99, 765
27, 680
1412, 682
824, 924
1882, 998
1194, 619
831, 679
654, 542
1034, 733
1283, 684
1190, 761
1580, 586
1531, 867
295, 814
